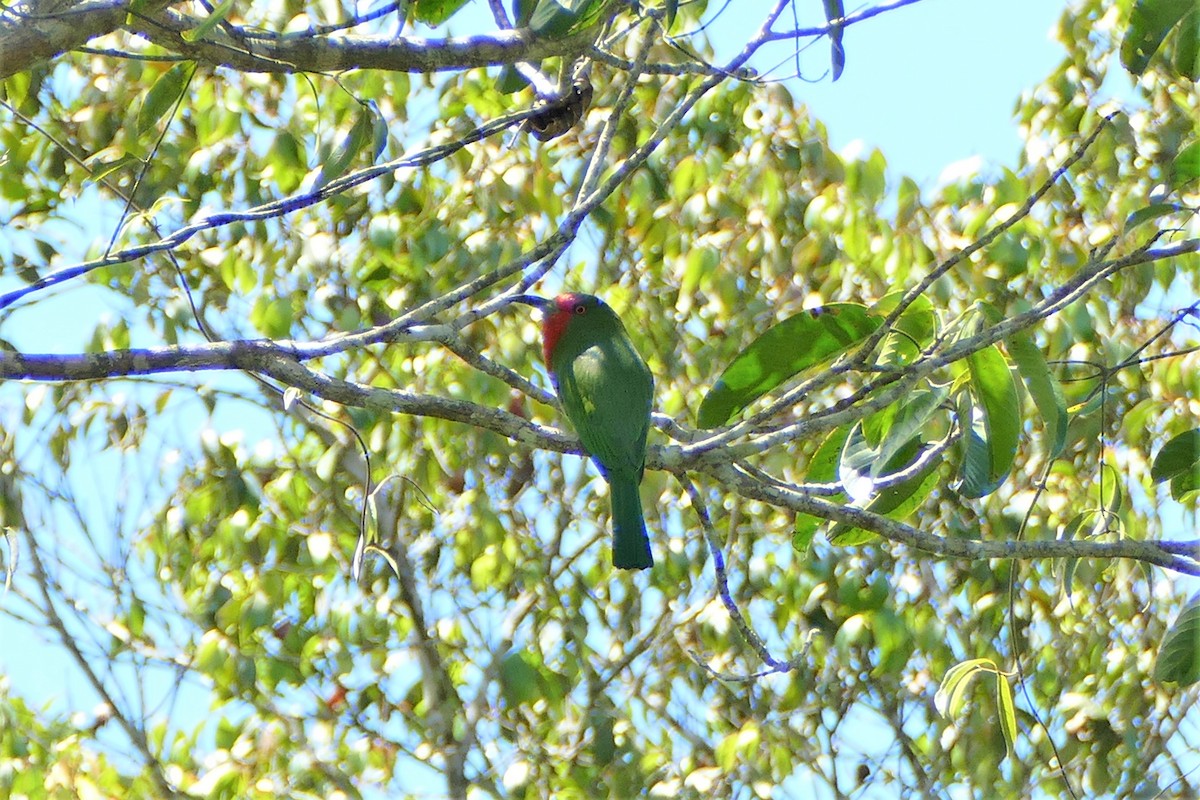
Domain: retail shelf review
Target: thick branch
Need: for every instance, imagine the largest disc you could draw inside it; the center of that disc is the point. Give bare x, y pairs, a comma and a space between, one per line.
349, 51
38, 30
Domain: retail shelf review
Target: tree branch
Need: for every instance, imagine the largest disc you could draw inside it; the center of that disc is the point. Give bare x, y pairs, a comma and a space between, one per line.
1148, 551
348, 51
38, 30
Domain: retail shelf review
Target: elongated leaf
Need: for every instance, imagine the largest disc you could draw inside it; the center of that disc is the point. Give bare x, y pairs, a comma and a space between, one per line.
913, 330
211, 21
822, 468
1186, 166
897, 502
876, 426
1008, 713
554, 18
1184, 484
1179, 456
949, 698
102, 171
1179, 657
911, 420
1043, 388
162, 96
993, 387
1151, 212
977, 460
804, 532
1187, 47
353, 142
834, 12
1149, 23
799, 342
856, 464
523, 12
510, 80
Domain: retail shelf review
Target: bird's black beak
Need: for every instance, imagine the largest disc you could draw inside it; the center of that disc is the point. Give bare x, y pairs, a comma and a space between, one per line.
544, 303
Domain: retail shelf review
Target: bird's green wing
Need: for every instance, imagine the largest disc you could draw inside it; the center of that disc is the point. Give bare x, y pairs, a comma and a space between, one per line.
607, 392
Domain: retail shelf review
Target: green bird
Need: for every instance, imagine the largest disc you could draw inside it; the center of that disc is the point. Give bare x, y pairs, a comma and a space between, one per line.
606, 389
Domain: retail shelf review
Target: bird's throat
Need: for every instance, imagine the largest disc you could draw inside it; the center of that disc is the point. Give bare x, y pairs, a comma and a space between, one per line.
554, 325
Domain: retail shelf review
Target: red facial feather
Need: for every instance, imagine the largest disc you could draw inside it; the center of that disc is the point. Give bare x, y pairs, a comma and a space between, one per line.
555, 323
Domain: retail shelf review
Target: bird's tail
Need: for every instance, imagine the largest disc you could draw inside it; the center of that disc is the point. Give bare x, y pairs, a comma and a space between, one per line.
631, 545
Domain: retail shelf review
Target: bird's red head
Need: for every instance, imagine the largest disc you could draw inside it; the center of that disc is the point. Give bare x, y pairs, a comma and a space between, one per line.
556, 318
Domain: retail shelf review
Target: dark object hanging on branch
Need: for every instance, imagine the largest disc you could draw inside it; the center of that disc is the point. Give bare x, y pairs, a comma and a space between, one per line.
558, 115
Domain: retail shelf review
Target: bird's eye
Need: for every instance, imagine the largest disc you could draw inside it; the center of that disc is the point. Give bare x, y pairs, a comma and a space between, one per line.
581, 309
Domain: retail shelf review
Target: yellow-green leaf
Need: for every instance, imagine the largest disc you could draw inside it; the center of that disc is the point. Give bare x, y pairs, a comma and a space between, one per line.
1008, 713
950, 695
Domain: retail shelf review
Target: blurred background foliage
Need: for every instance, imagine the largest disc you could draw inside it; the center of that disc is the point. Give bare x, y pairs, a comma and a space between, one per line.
184, 542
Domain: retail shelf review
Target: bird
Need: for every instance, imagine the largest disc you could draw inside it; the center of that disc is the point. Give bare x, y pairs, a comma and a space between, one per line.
607, 391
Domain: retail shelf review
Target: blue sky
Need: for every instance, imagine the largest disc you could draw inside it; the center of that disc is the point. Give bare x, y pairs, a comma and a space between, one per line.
932, 83
929, 85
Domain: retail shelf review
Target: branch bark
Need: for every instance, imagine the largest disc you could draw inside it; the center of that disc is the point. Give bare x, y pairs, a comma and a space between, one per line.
39, 30
349, 51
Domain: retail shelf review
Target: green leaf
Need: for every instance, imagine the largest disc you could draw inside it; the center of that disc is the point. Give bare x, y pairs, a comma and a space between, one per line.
211, 21
519, 679
1184, 484
435, 12
510, 80
1179, 656
1186, 167
1008, 713
1187, 47
797, 343
910, 421
821, 468
835, 11
162, 96
993, 386
103, 170
555, 19
897, 502
1046, 392
522, 11
894, 640
1177, 457
950, 695
913, 329
805, 530
857, 463
1149, 23
977, 461
353, 142
1151, 212
672, 7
